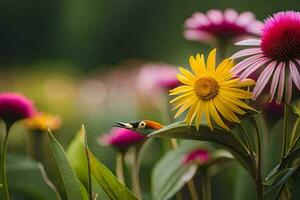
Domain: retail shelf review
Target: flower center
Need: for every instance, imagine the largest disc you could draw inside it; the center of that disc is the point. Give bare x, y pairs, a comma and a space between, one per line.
281, 36
206, 88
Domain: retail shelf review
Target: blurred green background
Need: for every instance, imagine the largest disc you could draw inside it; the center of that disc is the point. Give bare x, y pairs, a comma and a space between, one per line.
79, 59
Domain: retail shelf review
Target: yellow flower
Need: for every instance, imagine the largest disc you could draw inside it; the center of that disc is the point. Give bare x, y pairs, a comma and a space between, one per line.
41, 121
210, 91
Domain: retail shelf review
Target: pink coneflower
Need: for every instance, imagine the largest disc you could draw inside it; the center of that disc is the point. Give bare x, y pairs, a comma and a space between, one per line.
157, 76
278, 51
198, 156
121, 138
221, 27
15, 107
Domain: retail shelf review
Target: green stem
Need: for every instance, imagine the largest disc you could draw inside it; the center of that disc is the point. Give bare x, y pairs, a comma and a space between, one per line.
206, 187
248, 141
120, 166
135, 175
294, 138
3, 180
258, 181
192, 189
284, 138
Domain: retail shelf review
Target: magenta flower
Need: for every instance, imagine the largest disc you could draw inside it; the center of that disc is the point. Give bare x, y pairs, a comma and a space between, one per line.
157, 76
121, 138
15, 107
199, 156
277, 52
272, 110
221, 27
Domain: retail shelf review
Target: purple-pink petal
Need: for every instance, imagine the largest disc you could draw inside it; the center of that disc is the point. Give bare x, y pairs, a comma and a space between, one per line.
281, 85
275, 80
246, 52
263, 79
295, 74
249, 42
253, 68
245, 63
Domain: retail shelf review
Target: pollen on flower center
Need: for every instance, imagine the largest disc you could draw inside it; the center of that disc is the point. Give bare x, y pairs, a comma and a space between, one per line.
206, 88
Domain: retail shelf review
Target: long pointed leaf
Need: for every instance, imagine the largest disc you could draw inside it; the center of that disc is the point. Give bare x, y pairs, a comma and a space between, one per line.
71, 182
182, 131
109, 183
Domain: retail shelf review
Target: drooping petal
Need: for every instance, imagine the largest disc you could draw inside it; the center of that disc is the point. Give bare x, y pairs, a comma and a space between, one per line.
249, 42
246, 63
185, 106
252, 68
275, 80
263, 79
216, 117
281, 85
246, 52
295, 74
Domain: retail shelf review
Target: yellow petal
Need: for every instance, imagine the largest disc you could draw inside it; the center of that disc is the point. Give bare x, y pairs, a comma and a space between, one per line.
181, 89
184, 80
224, 111
211, 61
191, 114
237, 93
200, 60
199, 114
215, 115
185, 106
187, 74
207, 115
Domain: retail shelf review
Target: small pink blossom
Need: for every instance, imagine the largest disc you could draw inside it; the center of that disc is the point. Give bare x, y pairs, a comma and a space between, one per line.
121, 138
15, 107
199, 156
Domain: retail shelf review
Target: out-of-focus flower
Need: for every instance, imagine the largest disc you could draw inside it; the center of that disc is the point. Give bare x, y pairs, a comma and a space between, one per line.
221, 27
198, 156
15, 107
271, 110
278, 52
42, 121
121, 138
211, 91
153, 77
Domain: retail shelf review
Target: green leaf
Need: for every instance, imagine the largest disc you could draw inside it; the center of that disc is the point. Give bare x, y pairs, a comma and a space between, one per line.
109, 183
170, 175
77, 157
296, 190
71, 182
274, 186
227, 139
28, 177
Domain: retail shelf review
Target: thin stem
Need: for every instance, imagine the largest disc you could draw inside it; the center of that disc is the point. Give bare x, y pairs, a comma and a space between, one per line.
258, 181
3, 183
120, 166
246, 137
205, 187
193, 191
294, 138
135, 175
174, 143
284, 138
